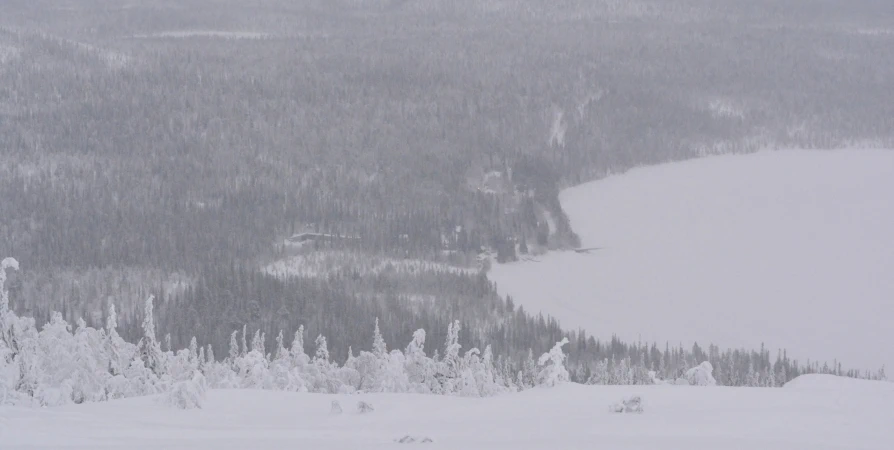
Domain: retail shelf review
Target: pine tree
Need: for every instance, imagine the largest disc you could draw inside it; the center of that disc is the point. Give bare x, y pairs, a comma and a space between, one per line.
193, 350
552, 364
281, 351
299, 357
234, 349
151, 352
201, 359
321, 356
379, 348
114, 344
529, 371
5, 326
752, 378
256, 344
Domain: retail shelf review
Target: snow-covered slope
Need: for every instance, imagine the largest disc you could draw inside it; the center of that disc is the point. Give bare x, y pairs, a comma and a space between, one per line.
792, 248
568, 416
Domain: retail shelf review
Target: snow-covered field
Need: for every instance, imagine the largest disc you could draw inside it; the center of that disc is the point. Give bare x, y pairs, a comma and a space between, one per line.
816, 412
791, 248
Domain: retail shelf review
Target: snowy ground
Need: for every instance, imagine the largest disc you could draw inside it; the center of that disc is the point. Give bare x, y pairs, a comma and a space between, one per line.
816, 412
183, 34
792, 248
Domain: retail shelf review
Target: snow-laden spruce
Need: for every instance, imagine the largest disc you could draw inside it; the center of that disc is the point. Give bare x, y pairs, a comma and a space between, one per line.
60, 365
701, 375
552, 364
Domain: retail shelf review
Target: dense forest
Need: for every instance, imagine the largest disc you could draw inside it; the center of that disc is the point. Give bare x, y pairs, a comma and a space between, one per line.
174, 148
60, 364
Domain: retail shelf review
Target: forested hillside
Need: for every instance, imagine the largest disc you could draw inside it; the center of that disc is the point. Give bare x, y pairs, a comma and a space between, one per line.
170, 148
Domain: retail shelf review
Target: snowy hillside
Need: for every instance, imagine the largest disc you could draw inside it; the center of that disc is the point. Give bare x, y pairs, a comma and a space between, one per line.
793, 248
568, 416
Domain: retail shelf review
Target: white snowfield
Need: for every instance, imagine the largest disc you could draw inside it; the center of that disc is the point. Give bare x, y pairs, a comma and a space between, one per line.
815, 412
791, 248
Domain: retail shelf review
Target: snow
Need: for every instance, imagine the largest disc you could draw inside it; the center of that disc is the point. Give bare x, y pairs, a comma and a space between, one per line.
8, 53
566, 416
183, 34
840, 384
790, 248
325, 263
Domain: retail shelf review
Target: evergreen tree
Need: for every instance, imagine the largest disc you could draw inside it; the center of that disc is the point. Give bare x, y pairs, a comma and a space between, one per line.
552, 365
379, 348
234, 349
152, 355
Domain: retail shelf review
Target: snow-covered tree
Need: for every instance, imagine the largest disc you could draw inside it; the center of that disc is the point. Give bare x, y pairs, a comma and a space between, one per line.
348, 374
552, 366
257, 345
89, 377
282, 374
701, 375
193, 350
420, 369
56, 350
234, 350
118, 351
488, 382
281, 351
321, 356
392, 376
10, 359
752, 379
253, 370
151, 350
299, 356
379, 348
5, 336
189, 393
322, 373
450, 369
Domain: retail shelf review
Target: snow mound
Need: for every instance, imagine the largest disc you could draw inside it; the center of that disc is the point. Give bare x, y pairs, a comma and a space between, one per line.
832, 382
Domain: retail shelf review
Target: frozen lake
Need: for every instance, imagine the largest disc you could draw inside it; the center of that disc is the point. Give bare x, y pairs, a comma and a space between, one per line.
791, 248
